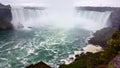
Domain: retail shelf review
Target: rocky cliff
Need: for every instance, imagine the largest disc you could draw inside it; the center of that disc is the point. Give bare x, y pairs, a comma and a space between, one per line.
102, 59
115, 63
101, 36
5, 17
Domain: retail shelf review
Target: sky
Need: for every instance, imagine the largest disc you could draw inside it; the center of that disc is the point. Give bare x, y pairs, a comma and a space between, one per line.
72, 2
33, 1
55, 4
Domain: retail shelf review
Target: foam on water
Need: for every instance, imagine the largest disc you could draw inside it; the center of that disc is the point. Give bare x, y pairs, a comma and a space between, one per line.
48, 45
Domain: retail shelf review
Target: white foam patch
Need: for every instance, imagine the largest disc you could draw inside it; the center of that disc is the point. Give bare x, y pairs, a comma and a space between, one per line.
77, 52
24, 61
92, 48
4, 59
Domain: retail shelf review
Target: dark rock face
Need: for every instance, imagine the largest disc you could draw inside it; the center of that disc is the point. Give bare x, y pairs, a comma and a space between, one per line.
39, 65
5, 17
115, 63
101, 36
115, 19
99, 9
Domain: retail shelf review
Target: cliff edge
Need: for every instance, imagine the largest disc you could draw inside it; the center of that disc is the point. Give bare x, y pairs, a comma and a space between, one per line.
5, 17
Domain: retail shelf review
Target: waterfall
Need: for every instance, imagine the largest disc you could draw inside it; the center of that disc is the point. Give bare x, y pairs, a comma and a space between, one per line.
26, 16
94, 19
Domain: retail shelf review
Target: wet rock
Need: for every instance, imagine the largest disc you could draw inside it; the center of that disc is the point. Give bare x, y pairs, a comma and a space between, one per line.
39, 65
101, 36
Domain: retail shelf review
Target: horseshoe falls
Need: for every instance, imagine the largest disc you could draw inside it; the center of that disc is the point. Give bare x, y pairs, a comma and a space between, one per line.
24, 17
93, 20
48, 35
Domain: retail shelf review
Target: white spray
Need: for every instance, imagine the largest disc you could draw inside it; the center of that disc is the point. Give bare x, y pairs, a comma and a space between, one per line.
60, 13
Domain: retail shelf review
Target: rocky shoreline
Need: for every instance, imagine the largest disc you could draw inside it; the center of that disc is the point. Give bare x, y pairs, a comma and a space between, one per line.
106, 58
100, 37
101, 59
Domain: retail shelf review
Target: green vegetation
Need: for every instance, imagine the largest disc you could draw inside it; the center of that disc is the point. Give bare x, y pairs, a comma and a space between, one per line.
110, 66
100, 59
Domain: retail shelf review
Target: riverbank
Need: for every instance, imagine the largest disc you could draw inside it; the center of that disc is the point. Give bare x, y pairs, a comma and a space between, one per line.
100, 59
89, 48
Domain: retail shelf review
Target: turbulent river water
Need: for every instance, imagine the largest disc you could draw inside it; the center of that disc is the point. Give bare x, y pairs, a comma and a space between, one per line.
38, 41
20, 48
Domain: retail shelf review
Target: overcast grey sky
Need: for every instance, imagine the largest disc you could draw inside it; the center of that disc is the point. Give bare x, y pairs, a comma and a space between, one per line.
117, 2
35, 1
64, 5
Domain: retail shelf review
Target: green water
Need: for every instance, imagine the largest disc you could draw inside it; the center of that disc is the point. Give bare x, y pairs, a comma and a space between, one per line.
20, 48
